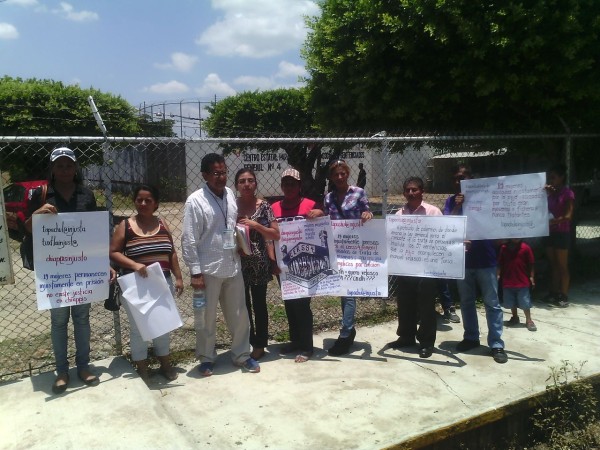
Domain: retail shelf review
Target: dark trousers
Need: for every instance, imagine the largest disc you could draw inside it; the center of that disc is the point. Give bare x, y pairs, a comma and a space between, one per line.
300, 320
256, 302
416, 301
444, 292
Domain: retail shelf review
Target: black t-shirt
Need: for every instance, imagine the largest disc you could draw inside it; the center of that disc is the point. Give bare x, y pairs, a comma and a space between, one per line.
82, 200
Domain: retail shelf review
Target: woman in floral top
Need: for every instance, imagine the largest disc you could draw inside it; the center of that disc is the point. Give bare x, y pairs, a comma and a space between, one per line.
258, 215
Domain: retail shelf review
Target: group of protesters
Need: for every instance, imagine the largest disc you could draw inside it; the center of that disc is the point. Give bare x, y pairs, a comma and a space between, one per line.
222, 274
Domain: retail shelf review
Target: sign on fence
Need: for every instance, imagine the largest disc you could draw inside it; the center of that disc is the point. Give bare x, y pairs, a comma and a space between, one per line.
362, 257
426, 246
506, 207
6, 272
307, 259
71, 258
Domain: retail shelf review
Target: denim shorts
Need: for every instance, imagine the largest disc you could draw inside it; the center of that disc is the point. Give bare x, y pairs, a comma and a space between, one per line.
513, 297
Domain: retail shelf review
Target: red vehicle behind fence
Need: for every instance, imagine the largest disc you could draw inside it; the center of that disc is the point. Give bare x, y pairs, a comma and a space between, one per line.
16, 198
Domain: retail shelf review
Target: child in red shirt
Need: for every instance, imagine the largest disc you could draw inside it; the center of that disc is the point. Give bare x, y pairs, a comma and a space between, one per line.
515, 268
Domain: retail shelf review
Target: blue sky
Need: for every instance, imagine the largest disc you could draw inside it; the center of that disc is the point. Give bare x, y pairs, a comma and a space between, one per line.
156, 50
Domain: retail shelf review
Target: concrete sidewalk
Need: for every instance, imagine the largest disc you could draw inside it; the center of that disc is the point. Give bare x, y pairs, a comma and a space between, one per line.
372, 398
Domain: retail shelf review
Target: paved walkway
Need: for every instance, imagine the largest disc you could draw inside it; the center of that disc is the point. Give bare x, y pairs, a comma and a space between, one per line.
373, 398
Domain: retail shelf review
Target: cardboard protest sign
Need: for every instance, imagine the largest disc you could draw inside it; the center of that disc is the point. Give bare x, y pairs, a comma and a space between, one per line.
362, 257
426, 246
506, 207
6, 271
71, 258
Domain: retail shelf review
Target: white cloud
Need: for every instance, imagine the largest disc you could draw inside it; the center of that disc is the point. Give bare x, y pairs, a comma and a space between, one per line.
8, 31
68, 12
170, 87
258, 28
289, 70
180, 62
213, 85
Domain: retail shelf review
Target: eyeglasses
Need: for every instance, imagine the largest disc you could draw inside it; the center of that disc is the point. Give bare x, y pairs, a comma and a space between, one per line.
219, 174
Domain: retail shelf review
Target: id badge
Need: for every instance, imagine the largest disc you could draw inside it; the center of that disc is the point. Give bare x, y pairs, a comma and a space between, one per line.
228, 239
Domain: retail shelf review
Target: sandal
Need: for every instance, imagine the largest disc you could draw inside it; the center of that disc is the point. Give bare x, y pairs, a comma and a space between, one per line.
88, 377
303, 357
60, 383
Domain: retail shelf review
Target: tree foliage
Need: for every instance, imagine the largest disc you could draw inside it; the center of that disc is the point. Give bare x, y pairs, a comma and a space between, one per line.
455, 65
275, 113
35, 107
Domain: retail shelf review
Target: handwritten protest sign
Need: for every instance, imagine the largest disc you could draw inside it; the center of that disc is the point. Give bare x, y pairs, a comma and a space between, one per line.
307, 259
70, 252
6, 272
426, 246
506, 207
361, 257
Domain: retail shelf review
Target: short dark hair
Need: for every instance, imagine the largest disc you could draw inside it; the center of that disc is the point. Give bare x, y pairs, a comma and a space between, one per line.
418, 181
210, 159
146, 187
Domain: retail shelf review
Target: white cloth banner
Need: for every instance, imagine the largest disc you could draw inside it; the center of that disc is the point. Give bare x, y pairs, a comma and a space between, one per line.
151, 302
70, 253
426, 246
506, 207
307, 259
361, 257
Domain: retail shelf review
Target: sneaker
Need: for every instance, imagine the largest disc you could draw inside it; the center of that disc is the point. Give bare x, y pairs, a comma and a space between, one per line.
206, 369
251, 365
499, 355
451, 316
466, 344
514, 320
562, 301
549, 297
531, 326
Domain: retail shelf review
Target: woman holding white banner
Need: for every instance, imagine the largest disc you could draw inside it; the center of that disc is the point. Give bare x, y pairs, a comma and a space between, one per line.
345, 202
560, 204
258, 216
65, 194
137, 242
298, 312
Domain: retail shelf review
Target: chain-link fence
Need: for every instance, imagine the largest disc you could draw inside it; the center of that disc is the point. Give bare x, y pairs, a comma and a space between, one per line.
113, 166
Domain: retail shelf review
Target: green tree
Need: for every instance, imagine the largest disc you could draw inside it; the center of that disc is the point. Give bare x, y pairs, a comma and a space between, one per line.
35, 107
275, 113
455, 65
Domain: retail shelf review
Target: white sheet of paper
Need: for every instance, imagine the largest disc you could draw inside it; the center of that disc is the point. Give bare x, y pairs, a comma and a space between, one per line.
151, 302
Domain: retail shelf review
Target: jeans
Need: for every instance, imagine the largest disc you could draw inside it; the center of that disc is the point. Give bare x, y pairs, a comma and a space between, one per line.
59, 318
467, 288
256, 301
443, 286
348, 313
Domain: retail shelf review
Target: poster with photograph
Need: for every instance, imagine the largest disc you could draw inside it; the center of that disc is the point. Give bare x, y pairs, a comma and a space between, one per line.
70, 252
307, 259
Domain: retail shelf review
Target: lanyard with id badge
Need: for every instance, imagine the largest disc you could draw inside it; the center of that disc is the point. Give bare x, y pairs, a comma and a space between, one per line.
227, 235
